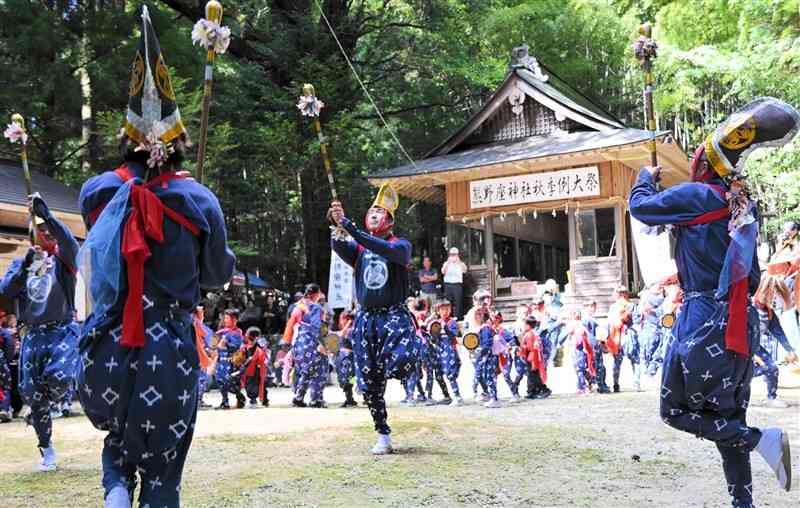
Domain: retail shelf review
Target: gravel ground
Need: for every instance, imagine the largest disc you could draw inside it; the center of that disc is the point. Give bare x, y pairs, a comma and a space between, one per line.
596, 450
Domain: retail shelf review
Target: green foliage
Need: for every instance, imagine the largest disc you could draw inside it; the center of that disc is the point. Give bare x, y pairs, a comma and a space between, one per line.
428, 64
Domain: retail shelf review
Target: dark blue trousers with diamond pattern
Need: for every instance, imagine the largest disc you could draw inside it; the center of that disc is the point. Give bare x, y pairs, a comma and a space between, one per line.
47, 367
385, 346
310, 368
146, 399
705, 389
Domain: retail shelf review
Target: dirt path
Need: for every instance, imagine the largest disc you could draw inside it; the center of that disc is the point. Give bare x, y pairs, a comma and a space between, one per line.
564, 451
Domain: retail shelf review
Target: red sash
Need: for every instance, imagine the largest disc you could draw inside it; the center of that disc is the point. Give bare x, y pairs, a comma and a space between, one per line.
146, 221
736, 331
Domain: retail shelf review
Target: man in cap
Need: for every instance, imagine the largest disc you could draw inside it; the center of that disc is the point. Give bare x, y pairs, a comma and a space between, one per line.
453, 271
708, 366
43, 284
385, 343
139, 381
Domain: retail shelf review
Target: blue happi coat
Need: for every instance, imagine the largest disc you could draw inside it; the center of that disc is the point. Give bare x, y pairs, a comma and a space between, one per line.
146, 398
385, 342
45, 299
705, 388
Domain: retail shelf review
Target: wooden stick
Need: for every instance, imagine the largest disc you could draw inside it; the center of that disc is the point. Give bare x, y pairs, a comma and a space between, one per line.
23, 155
213, 13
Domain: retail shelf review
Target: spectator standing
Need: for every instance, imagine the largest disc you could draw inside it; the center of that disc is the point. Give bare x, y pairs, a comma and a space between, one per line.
427, 280
453, 271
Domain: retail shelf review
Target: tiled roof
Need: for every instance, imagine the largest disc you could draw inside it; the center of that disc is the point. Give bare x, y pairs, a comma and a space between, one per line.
12, 188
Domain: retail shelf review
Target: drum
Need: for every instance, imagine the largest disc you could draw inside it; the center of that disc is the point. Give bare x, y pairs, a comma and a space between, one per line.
331, 343
668, 320
238, 358
471, 341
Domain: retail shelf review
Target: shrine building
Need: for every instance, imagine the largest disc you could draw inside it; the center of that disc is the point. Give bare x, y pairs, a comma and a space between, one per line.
535, 187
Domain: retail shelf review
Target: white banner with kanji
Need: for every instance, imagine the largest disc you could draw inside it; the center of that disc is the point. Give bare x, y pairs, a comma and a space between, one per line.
340, 284
535, 187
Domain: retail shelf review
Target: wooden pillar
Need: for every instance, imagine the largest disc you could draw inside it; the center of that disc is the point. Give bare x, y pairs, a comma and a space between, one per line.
620, 245
517, 260
488, 243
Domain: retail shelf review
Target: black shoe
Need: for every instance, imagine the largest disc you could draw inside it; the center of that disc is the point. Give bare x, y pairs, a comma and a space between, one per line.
531, 396
204, 405
349, 403
298, 403
616, 388
265, 403
603, 389
222, 407
320, 404
446, 402
544, 393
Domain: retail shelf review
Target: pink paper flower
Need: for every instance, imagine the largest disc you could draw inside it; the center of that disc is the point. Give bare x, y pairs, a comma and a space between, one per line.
15, 133
211, 35
159, 152
310, 106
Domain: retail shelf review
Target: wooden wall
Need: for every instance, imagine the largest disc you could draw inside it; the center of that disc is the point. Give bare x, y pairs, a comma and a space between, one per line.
616, 180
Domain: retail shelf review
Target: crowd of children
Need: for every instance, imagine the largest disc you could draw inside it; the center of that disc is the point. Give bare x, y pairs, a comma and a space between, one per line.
543, 334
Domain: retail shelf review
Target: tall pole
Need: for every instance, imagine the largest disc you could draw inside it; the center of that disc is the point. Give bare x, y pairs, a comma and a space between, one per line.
17, 133
645, 49
313, 108
214, 15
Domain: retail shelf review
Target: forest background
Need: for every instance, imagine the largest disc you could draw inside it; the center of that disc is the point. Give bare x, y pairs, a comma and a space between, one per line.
65, 65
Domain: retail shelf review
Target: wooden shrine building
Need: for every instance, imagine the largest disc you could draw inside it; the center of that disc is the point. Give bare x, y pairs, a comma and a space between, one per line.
535, 187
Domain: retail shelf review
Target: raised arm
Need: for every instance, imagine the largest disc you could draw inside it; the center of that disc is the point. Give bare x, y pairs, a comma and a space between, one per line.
397, 251
345, 249
67, 245
678, 204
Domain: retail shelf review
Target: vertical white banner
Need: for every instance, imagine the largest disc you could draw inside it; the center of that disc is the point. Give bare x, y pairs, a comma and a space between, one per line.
340, 284
653, 253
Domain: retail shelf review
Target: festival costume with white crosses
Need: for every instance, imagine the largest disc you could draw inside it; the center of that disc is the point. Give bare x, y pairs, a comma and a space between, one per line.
43, 284
151, 245
309, 363
708, 367
385, 343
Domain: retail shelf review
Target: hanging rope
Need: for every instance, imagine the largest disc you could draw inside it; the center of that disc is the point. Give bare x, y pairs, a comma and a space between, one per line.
363, 87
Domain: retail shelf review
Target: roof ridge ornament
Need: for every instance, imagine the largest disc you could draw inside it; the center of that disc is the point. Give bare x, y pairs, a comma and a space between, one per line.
521, 59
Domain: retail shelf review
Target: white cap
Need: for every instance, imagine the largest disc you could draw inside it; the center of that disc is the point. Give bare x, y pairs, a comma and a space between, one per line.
454, 250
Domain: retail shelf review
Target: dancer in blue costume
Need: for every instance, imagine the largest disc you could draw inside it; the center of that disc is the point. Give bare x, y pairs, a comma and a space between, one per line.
385, 343
705, 387
43, 284
155, 238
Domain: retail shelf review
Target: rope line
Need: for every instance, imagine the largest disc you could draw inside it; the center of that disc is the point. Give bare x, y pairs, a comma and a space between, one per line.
363, 87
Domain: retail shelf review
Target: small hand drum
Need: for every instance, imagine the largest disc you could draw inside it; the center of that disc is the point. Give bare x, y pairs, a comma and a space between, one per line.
668, 320
238, 358
471, 341
331, 343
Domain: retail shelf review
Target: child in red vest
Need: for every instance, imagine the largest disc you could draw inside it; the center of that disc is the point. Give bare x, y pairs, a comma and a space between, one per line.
254, 370
532, 350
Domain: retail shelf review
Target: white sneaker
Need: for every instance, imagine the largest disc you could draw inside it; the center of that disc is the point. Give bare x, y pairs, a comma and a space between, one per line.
776, 404
383, 446
457, 402
493, 404
774, 448
48, 462
118, 497
515, 399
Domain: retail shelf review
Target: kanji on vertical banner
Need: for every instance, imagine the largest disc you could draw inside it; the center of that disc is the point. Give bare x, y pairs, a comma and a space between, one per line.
340, 284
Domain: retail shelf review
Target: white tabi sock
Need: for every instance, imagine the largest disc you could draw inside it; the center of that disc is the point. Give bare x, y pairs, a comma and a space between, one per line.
48, 462
118, 497
774, 448
383, 446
